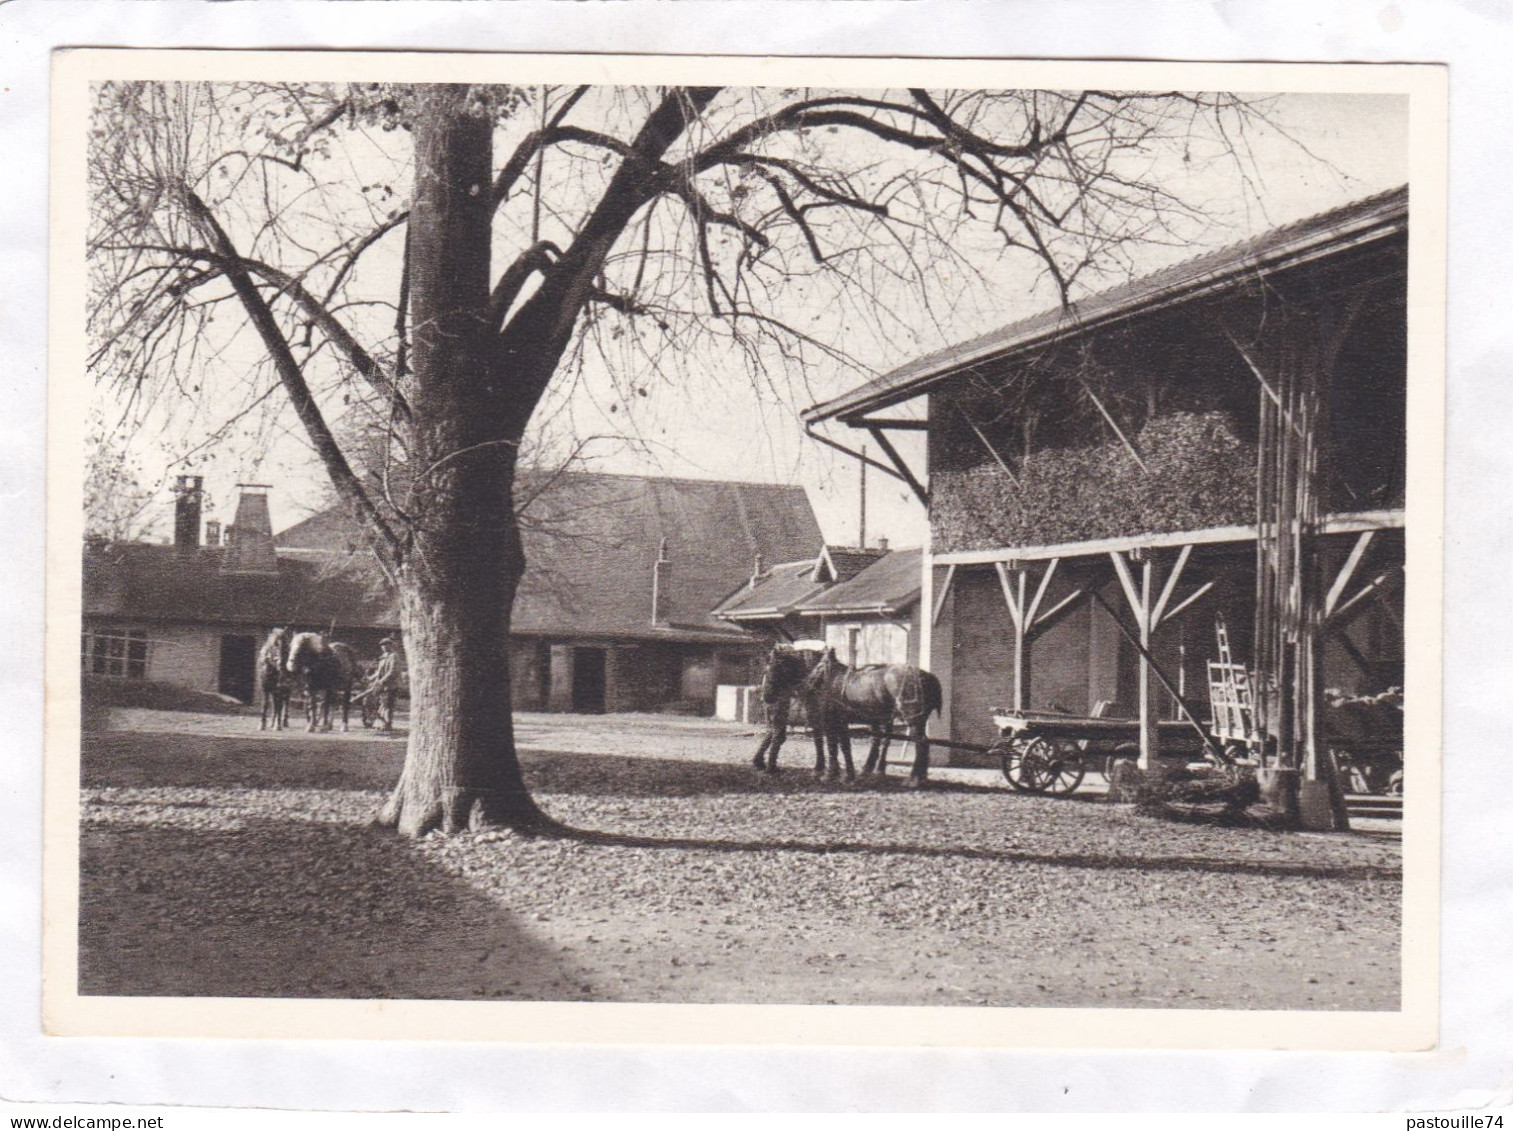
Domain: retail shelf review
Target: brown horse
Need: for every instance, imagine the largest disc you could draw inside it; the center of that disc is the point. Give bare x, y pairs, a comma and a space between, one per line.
276, 683
784, 679
875, 696
328, 669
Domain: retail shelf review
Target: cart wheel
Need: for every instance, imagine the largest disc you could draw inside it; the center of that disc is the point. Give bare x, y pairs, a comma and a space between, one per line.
1060, 770
1015, 772
1043, 767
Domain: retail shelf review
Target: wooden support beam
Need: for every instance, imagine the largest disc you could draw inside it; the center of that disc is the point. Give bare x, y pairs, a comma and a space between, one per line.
1044, 619
1013, 595
903, 468
894, 423
1010, 598
1178, 609
1372, 586
992, 451
852, 452
945, 591
1112, 423
1347, 571
1127, 583
1040, 590
1171, 584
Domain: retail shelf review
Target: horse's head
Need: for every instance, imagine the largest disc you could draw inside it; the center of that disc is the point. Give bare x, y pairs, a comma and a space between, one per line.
784, 672
303, 649
825, 665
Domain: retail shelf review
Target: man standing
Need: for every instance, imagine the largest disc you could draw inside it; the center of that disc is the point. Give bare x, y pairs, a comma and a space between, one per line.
385, 684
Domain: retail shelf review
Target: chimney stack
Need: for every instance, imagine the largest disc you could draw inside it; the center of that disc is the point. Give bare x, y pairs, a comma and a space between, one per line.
659, 584
249, 542
758, 567
882, 544
189, 498
212, 532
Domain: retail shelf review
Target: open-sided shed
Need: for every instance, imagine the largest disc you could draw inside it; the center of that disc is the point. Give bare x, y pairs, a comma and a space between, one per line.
1224, 439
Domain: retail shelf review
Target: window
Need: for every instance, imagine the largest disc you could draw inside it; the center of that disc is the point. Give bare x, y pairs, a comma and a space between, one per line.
116, 652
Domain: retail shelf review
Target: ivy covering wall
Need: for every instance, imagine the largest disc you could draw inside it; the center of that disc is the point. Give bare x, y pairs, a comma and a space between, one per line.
1197, 474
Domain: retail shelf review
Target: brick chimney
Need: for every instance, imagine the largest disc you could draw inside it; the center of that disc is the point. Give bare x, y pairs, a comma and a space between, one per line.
189, 499
882, 544
659, 577
249, 538
212, 532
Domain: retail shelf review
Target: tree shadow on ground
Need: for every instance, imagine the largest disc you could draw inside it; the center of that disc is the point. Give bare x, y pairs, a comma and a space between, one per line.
130, 759
1083, 860
617, 775
293, 909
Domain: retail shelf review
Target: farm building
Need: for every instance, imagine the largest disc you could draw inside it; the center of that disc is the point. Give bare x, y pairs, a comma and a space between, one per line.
615, 612
862, 602
1224, 439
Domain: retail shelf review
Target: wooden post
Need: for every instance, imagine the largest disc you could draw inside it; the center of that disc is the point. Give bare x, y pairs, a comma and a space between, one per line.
1150, 733
1013, 596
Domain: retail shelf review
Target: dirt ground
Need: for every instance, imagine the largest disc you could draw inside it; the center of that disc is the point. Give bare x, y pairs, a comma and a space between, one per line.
248, 859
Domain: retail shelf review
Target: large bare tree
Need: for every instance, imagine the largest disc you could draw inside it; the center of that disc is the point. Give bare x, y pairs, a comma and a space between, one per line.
436, 257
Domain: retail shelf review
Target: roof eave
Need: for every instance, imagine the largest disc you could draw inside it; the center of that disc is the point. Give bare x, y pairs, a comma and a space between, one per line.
1380, 223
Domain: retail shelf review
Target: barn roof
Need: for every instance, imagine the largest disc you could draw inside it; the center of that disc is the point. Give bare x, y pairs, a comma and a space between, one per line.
592, 543
1363, 221
887, 587
150, 582
774, 594
885, 583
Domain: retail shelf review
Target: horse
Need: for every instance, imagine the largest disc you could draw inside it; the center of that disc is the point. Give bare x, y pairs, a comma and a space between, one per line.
783, 679
328, 668
875, 695
276, 684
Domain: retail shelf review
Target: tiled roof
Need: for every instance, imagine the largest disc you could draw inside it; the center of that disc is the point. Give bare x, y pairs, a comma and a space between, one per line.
1373, 218
591, 545
890, 585
144, 581
774, 594
848, 561
885, 583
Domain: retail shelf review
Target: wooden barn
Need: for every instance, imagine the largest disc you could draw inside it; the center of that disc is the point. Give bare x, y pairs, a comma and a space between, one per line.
1224, 440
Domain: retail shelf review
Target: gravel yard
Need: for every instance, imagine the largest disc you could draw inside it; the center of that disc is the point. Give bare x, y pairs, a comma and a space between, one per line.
247, 859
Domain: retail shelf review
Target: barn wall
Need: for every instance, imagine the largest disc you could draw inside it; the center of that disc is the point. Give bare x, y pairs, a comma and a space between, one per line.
877, 641
186, 655
642, 677
942, 648
982, 654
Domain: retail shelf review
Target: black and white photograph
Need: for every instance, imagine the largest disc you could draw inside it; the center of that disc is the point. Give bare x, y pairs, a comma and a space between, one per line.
566, 531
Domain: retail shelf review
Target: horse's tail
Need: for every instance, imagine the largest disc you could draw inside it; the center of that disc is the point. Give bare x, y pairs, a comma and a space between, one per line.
909, 694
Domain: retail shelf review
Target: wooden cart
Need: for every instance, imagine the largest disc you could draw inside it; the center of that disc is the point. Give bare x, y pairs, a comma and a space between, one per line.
1046, 752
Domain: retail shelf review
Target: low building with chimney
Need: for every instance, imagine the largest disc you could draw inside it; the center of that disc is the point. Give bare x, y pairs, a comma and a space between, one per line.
615, 613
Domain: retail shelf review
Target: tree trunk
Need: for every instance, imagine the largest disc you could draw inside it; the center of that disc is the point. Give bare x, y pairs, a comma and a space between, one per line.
461, 770
464, 559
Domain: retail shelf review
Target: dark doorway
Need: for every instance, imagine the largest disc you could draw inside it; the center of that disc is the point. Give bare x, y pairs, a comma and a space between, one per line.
238, 667
588, 680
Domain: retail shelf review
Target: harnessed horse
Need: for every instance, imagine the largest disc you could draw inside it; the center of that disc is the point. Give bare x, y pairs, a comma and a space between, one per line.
328, 668
875, 696
784, 678
276, 684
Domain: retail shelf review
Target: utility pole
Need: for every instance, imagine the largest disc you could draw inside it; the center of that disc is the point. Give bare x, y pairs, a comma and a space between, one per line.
861, 538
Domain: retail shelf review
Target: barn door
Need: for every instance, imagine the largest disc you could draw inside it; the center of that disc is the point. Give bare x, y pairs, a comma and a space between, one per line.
238, 675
